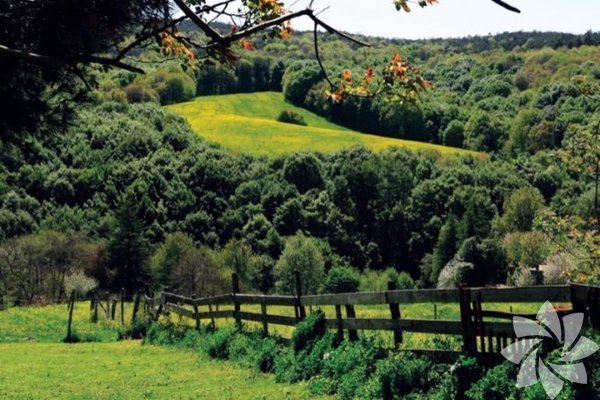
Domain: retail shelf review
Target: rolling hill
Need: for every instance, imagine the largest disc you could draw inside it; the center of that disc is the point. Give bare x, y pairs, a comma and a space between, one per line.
247, 123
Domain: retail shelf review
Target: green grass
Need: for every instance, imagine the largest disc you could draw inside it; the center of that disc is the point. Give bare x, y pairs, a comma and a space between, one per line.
128, 370
49, 324
247, 123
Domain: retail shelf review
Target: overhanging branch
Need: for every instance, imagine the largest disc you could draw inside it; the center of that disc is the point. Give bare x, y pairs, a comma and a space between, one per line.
45, 59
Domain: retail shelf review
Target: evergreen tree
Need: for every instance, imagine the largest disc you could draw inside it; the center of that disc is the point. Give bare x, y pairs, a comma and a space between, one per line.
445, 248
129, 248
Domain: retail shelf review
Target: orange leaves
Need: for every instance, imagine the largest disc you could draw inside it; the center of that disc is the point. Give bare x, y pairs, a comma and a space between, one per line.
246, 44
403, 4
399, 81
347, 76
172, 45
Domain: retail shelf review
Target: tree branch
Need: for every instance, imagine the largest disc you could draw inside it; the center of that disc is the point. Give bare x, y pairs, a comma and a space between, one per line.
210, 32
147, 36
507, 6
45, 59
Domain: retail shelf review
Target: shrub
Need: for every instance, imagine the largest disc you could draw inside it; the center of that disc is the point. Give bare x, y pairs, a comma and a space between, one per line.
309, 331
140, 93
216, 344
137, 330
286, 366
164, 334
291, 117
79, 282
401, 375
405, 281
341, 280
347, 368
498, 383
266, 353
454, 273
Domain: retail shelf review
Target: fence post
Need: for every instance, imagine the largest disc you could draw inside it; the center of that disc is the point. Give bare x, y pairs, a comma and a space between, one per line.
136, 307
340, 322
196, 312
95, 312
263, 309
352, 333
469, 343
301, 311
122, 306
395, 311
160, 306
235, 285
113, 310
71, 305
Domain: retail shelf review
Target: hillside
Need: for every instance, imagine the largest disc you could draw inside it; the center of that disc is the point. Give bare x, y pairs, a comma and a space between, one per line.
247, 123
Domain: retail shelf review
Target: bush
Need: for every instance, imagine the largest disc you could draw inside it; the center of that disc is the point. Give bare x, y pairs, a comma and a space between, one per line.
137, 330
164, 334
341, 280
291, 117
401, 375
347, 368
140, 93
405, 281
216, 344
454, 273
79, 282
266, 353
309, 331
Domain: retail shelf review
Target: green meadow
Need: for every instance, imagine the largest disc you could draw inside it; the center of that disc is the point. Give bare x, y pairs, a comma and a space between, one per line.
35, 364
129, 370
247, 123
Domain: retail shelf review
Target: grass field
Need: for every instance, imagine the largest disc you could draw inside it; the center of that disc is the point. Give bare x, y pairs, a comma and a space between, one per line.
49, 324
34, 364
247, 123
127, 370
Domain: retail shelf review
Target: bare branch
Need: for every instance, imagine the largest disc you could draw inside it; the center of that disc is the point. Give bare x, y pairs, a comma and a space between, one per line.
316, 41
507, 6
210, 32
147, 36
45, 59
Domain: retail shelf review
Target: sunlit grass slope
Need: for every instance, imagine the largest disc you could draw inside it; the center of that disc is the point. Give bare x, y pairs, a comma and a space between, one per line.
129, 371
247, 123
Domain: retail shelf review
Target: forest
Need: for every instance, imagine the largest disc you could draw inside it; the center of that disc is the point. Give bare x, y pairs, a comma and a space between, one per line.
126, 195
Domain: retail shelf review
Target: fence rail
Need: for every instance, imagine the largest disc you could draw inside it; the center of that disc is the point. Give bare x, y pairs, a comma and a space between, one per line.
482, 331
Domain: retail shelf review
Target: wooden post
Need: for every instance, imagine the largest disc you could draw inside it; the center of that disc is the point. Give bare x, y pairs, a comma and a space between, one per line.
301, 313
469, 343
212, 317
136, 307
160, 307
338, 315
395, 311
71, 305
122, 306
435, 312
235, 286
263, 310
113, 310
350, 313
95, 315
196, 312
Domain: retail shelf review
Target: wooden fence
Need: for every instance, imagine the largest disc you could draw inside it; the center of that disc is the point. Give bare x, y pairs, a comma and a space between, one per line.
482, 331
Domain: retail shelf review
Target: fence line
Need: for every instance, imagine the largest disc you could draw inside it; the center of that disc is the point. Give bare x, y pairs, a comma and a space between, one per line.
479, 333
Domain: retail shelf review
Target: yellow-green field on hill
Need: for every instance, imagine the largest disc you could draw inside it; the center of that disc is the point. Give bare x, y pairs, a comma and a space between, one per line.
247, 123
